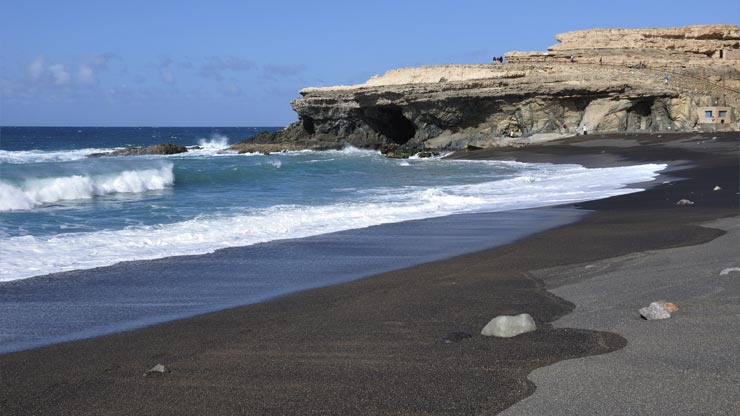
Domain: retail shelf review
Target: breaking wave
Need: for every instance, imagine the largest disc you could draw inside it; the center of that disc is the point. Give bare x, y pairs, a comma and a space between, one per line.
40, 191
27, 256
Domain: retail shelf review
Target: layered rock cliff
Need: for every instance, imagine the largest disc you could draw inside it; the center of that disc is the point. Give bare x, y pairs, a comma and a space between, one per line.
608, 80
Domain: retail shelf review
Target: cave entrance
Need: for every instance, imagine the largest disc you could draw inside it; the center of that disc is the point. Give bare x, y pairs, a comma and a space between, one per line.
390, 122
308, 124
642, 108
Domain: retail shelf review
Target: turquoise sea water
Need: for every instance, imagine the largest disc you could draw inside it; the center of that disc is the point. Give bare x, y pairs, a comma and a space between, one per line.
61, 211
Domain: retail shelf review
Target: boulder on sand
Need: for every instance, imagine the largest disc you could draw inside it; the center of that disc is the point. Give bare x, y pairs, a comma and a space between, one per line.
505, 326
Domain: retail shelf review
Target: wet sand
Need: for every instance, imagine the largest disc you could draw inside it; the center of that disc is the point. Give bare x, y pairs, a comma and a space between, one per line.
374, 346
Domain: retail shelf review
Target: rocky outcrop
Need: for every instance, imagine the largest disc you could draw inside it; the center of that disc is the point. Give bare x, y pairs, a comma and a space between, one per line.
157, 149
616, 83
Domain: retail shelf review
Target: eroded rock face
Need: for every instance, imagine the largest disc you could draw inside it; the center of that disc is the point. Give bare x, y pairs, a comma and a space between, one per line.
456, 106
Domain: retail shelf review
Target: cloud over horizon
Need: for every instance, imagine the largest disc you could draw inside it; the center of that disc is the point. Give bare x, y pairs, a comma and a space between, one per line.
216, 66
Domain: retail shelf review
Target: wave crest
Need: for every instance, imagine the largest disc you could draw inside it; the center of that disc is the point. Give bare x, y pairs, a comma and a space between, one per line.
35, 192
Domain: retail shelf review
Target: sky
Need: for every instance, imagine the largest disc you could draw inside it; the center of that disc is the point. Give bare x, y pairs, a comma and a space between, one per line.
241, 63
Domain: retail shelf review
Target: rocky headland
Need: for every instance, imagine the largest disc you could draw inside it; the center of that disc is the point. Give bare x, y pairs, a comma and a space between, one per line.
603, 80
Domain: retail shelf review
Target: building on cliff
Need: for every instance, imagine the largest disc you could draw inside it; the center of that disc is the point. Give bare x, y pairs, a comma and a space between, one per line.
622, 80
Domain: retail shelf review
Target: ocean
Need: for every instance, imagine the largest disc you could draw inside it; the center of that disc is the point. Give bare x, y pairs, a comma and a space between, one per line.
90, 246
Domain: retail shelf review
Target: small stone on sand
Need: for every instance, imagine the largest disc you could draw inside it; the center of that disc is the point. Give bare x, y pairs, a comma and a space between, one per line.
685, 202
729, 270
509, 326
159, 368
657, 310
717, 188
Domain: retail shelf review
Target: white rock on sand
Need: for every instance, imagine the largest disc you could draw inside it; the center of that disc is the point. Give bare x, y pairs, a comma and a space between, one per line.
505, 326
658, 310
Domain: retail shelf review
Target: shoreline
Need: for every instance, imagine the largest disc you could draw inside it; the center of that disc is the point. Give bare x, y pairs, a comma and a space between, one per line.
373, 346
134, 294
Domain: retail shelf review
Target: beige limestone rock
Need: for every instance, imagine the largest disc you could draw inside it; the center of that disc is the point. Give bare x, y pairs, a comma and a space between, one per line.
532, 94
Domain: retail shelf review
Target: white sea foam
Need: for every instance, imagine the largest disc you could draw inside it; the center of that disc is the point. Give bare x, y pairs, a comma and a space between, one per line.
40, 156
39, 191
213, 146
23, 257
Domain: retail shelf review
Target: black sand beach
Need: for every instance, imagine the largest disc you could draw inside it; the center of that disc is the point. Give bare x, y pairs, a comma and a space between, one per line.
374, 346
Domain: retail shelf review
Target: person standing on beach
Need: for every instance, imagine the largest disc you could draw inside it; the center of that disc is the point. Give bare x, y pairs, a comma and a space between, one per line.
585, 129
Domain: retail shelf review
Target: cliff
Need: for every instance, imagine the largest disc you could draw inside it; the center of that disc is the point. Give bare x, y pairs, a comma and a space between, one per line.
609, 80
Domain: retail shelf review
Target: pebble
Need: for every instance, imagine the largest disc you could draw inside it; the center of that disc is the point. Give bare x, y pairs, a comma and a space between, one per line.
717, 188
729, 270
159, 368
685, 202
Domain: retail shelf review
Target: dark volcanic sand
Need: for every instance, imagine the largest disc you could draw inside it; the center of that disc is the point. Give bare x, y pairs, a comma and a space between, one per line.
375, 346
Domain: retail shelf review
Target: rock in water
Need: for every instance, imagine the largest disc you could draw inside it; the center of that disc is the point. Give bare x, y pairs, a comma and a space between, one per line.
509, 326
658, 310
685, 202
157, 149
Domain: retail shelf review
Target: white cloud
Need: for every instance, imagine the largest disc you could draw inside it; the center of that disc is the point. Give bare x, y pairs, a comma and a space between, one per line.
93, 65
86, 75
60, 74
216, 66
167, 75
36, 68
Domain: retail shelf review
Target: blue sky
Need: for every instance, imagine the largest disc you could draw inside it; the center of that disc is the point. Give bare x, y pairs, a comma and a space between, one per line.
240, 63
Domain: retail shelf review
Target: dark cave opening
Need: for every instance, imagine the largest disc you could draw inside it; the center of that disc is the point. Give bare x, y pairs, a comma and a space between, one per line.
308, 125
390, 122
643, 108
